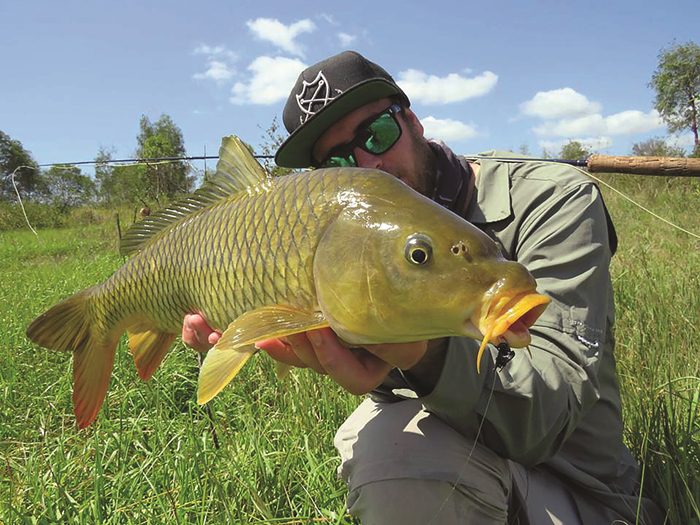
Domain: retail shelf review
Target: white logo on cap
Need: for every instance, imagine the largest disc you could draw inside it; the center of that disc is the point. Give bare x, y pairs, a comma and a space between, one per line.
314, 96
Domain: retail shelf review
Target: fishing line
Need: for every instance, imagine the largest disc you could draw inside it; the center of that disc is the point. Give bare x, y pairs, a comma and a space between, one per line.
461, 472
19, 197
600, 181
577, 165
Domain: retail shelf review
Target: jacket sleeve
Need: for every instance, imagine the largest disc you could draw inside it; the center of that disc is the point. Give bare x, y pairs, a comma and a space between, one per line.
526, 410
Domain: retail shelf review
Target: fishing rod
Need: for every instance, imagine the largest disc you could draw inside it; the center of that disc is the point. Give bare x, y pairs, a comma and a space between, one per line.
662, 166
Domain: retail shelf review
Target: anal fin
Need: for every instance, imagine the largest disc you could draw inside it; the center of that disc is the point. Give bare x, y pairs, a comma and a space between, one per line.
227, 357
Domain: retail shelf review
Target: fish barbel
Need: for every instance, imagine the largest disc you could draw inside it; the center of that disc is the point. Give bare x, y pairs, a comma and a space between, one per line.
353, 249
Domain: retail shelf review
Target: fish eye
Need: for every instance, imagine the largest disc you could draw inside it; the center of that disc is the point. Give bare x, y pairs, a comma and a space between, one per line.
419, 249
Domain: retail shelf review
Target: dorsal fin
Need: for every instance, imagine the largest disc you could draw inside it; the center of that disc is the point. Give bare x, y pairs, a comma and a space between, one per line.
237, 170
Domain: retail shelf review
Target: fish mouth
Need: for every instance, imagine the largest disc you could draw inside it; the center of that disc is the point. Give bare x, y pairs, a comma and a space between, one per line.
509, 320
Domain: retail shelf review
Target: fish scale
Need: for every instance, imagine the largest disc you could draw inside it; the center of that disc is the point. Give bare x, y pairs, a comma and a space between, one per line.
187, 276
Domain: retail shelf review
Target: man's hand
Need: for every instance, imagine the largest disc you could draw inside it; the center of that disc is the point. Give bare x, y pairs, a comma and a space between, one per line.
357, 370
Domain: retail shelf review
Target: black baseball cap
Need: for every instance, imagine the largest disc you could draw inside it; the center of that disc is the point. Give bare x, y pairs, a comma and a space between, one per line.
323, 94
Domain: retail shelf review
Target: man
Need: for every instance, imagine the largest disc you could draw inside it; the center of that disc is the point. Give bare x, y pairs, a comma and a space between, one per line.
536, 440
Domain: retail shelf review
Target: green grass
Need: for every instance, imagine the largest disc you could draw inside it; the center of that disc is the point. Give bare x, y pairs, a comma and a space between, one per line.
150, 456
657, 292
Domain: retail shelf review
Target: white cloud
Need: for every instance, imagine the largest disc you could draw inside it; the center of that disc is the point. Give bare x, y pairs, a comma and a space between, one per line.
590, 124
558, 104
282, 36
591, 143
270, 81
346, 40
565, 114
220, 52
216, 70
219, 63
447, 129
633, 121
431, 89
623, 123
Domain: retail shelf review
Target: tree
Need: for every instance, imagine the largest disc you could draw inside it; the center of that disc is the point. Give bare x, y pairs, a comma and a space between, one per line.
66, 186
159, 139
272, 139
13, 157
677, 84
656, 147
574, 150
104, 173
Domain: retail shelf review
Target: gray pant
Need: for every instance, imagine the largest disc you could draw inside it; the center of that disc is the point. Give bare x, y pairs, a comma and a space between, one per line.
405, 466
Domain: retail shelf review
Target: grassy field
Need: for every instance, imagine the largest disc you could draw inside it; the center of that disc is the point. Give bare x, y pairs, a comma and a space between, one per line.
151, 457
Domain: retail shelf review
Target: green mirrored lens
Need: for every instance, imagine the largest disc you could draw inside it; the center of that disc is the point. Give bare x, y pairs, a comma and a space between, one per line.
340, 162
383, 134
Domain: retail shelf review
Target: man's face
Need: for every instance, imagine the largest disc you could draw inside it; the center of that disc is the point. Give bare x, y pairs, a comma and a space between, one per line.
409, 159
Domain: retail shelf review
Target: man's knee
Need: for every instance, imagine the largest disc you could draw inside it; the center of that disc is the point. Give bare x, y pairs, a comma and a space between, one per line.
400, 461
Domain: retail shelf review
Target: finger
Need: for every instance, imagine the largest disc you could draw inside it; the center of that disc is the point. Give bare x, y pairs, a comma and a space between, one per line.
280, 351
190, 335
197, 334
305, 351
357, 372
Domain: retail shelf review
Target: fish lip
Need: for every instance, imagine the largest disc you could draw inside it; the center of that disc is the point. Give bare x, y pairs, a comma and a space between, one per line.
515, 315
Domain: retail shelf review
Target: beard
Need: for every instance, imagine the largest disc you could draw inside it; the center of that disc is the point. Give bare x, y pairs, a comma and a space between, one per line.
423, 176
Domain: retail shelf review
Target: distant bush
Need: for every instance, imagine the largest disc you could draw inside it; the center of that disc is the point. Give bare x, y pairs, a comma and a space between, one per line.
49, 216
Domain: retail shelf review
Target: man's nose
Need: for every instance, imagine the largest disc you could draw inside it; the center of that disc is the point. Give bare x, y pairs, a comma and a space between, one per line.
367, 160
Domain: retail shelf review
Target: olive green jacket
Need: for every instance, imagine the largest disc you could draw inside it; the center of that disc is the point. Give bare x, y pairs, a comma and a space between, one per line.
557, 407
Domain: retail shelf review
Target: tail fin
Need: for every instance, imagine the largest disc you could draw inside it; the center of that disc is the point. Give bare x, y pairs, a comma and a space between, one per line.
69, 326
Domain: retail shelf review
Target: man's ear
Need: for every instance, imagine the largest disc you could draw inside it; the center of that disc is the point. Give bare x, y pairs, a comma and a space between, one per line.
412, 120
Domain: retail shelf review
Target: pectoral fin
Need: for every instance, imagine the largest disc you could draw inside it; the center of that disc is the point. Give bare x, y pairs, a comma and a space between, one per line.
235, 347
281, 370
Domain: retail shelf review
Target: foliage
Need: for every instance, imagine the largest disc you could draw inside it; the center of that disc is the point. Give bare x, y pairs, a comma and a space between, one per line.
127, 184
656, 147
103, 174
657, 299
66, 186
159, 181
13, 156
677, 85
574, 150
42, 215
272, 139
161, 139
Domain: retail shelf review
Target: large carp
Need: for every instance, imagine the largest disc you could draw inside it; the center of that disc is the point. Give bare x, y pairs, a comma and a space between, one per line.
353, 249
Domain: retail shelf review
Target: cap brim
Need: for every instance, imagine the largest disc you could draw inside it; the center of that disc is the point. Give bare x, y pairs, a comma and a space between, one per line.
296, 150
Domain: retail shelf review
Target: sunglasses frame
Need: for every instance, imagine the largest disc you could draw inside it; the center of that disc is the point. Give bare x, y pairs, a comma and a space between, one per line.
346, 151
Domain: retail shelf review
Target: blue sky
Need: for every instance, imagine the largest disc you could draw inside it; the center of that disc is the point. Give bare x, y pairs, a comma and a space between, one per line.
77, 76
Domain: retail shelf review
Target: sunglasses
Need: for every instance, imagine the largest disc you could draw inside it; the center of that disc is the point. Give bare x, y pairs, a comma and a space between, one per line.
376, 135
